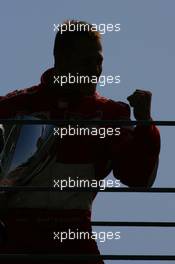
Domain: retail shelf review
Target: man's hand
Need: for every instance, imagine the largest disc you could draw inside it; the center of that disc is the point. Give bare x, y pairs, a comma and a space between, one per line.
141, 102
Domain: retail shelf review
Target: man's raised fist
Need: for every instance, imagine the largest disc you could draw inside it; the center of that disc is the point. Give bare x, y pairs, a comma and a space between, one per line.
140, 100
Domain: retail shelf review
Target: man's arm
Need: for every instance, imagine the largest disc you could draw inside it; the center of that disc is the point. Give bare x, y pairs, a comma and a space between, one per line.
12, 103
18, 102
136, 162
23, 101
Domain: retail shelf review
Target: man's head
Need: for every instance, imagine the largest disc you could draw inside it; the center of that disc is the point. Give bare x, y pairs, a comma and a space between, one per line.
78, 50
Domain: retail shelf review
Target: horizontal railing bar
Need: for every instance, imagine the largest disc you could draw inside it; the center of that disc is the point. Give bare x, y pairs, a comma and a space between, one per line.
112, 189
47, 257
133, 224
67, 122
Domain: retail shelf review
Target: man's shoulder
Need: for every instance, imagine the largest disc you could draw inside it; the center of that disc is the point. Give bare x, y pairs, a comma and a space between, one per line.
114, 108
21, 93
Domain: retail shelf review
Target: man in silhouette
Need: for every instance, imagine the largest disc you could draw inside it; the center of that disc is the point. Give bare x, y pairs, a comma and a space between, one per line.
132, 156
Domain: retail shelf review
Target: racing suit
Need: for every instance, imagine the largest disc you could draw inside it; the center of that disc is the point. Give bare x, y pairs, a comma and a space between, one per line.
32, 217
